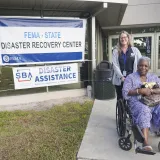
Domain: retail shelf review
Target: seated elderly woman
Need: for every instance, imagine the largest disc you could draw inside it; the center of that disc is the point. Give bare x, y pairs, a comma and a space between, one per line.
143, 115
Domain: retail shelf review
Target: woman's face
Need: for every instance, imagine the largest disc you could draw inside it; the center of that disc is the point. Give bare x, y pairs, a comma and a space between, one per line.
124, 39
143, 67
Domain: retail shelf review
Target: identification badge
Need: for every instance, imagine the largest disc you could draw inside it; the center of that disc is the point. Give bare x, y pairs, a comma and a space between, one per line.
132, 54
124, 73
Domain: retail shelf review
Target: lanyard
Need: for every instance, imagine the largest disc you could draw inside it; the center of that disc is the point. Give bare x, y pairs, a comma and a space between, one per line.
124, 58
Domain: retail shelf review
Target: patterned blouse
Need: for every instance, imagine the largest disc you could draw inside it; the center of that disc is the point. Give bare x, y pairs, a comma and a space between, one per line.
143, 115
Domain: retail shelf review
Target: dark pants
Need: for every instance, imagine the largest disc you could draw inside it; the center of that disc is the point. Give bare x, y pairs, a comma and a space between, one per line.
119, 91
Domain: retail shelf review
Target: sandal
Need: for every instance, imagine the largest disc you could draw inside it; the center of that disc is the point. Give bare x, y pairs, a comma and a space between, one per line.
147, 148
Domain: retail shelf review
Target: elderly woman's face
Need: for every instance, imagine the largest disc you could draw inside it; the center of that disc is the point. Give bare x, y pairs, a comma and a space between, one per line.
143, 67
124, 39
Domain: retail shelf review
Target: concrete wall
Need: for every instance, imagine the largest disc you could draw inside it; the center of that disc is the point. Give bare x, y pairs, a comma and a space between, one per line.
142, 12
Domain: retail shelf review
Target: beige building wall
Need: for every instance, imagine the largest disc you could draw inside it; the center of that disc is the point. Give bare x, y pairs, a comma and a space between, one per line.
142, 12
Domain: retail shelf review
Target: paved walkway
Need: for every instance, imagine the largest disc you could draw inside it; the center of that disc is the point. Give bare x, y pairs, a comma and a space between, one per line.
41, 101
100, 141
40, 97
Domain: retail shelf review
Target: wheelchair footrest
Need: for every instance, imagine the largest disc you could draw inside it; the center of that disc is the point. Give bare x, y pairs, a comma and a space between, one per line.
142, 151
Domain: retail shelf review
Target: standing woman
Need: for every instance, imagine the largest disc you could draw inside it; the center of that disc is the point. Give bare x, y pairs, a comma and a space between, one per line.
124, 59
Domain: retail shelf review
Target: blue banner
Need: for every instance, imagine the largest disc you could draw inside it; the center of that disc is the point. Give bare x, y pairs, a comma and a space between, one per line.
25, 22
35, 41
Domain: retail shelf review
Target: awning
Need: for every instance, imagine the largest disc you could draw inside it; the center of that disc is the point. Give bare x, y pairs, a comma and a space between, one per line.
107, 12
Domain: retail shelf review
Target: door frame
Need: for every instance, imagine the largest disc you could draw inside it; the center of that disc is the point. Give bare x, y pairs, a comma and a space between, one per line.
156, 53
110, 46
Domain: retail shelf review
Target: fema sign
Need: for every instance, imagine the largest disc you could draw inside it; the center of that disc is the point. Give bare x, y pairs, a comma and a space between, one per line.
40, 41
31, 77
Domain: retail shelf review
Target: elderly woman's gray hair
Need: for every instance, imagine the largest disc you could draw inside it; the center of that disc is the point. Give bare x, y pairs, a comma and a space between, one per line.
144, 58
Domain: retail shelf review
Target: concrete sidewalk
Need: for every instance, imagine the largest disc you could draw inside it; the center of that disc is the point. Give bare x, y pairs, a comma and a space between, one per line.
41, 101
100, 141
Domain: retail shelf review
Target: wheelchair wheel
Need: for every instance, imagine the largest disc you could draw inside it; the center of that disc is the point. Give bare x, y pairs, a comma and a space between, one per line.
120, 118
125, 143
157, 134
159, 146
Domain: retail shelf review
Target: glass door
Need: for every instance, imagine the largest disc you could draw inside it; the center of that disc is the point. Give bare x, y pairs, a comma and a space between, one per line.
157, 66
145, 44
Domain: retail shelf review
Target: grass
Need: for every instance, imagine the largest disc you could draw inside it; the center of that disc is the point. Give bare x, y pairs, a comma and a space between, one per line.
54, 134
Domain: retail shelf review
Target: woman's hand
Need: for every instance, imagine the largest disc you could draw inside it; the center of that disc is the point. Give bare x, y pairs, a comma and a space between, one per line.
122, 79
156, 91
145, 91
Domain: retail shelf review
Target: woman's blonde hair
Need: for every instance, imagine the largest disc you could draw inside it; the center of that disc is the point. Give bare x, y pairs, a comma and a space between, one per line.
119, 42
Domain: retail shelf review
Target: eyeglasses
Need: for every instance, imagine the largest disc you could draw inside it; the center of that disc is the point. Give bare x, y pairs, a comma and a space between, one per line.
123, 37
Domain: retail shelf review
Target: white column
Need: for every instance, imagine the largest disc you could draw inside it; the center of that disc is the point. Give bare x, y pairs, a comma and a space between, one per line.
93, 43
93, 50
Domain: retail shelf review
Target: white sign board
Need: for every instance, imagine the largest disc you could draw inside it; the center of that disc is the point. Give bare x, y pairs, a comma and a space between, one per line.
31, 77
38, 41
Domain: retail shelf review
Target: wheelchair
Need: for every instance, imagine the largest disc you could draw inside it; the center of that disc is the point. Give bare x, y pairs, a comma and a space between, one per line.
125, 127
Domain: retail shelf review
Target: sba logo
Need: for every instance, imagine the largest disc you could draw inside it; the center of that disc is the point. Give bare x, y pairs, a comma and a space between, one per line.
23, 75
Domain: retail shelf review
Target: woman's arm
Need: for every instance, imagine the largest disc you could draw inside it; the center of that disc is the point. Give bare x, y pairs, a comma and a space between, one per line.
133, 92
140, 91
138, 54
116, 63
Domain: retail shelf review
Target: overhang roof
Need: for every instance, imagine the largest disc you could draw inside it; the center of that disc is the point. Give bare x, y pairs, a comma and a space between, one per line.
107, 16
